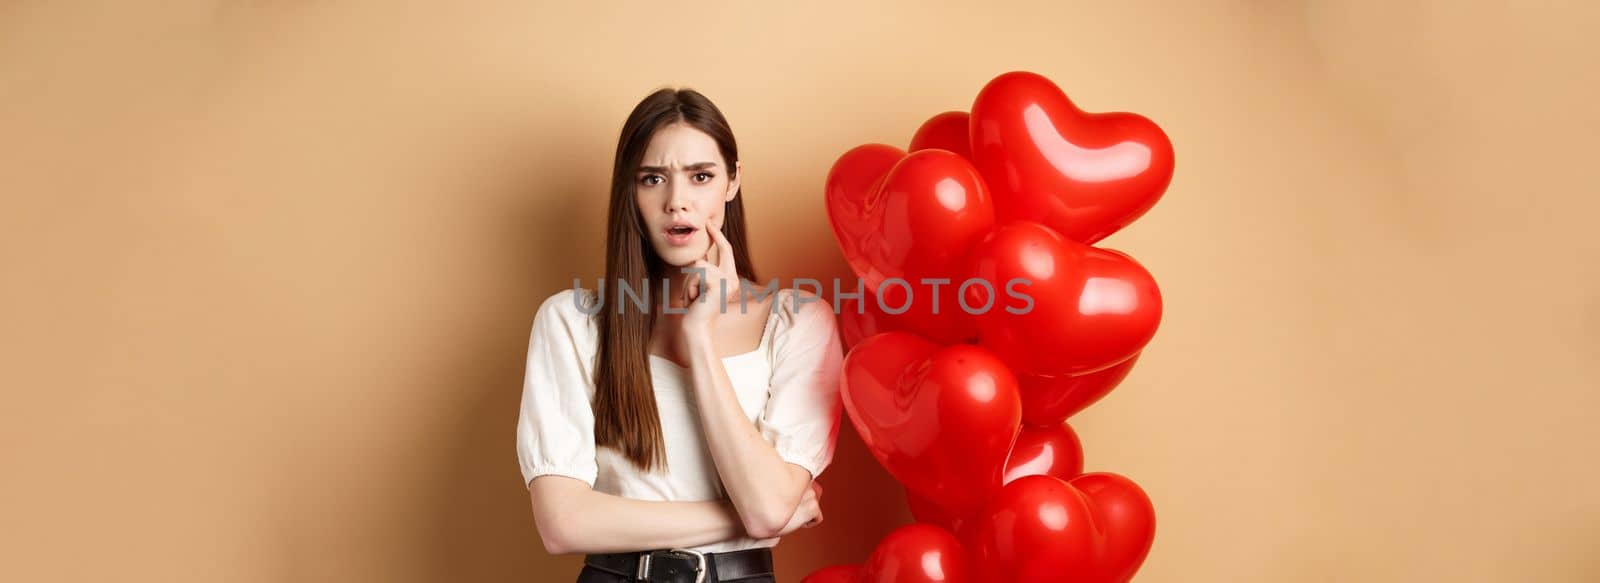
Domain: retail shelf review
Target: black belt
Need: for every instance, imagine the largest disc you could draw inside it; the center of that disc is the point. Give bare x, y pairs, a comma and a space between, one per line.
685, 566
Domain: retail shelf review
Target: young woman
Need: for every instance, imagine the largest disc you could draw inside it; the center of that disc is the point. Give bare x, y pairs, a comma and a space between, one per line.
680, 441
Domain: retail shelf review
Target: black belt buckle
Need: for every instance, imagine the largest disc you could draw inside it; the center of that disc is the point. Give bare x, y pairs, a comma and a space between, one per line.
696, 557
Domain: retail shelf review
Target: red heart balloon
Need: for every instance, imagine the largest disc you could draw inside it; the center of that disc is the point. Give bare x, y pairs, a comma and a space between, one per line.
1037, 529
1049, 451
862, 317
1045, 451
914, 224
1127, 522
1095, 528
946, 131
927, 512
1086, 308
835, 574
916, 553
854, 176
1086, 175
1049, 400
856, 323
941, 420
918, 220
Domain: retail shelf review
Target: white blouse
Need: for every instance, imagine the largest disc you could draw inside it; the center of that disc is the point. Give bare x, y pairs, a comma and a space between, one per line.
788, 386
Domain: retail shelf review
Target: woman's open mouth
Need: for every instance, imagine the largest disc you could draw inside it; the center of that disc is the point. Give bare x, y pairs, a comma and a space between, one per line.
680, 234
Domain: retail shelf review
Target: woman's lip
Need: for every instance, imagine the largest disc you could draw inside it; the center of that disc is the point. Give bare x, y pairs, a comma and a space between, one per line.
680, 239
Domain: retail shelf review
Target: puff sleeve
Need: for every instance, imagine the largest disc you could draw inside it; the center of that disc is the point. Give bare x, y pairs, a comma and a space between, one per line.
555, 430
801, 416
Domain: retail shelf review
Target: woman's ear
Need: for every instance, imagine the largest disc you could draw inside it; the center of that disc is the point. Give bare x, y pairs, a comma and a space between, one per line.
733, 184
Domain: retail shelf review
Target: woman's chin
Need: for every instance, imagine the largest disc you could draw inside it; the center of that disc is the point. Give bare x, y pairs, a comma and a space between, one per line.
678, 257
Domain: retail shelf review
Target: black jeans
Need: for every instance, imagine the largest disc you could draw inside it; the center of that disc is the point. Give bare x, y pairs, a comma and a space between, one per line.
593, 575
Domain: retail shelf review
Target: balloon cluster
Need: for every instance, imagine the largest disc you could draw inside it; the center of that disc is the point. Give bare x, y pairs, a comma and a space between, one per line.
964, 396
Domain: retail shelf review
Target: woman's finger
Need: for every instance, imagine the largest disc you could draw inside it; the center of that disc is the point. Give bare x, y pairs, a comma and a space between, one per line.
700, 270
724, 250
711, 251
699, 277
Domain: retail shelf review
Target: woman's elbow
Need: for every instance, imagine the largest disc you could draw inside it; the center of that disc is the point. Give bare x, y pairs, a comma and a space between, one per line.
773, 515
553, 548
555, 538
761, 530
768, 523
552, 506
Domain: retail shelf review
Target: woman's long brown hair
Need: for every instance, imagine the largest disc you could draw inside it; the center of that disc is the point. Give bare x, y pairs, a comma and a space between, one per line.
625, 404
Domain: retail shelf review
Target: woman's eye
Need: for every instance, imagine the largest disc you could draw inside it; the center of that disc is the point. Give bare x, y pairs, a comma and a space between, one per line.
707, 176
651, 179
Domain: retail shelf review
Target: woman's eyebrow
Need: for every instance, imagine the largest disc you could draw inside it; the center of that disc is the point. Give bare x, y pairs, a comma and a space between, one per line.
694, 166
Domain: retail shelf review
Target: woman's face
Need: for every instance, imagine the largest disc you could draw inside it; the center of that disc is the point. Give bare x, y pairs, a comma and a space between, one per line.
681, 187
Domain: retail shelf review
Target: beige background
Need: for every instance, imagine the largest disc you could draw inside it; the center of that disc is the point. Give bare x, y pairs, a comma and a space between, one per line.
269, 267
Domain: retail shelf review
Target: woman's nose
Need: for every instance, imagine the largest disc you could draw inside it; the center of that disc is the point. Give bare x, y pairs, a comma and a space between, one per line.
678, 201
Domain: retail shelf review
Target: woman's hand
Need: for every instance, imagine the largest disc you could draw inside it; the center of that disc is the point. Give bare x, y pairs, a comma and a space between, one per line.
707, 292
808, 513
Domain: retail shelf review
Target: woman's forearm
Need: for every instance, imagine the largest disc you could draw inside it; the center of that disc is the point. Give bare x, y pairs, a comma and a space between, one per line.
572, 518
763, 488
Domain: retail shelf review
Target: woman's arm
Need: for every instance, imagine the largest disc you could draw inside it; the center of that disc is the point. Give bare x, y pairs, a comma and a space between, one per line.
574, 518
763, 487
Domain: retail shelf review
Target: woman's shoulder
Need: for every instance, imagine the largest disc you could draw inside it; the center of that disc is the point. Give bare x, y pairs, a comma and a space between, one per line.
571, 306
801, 309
